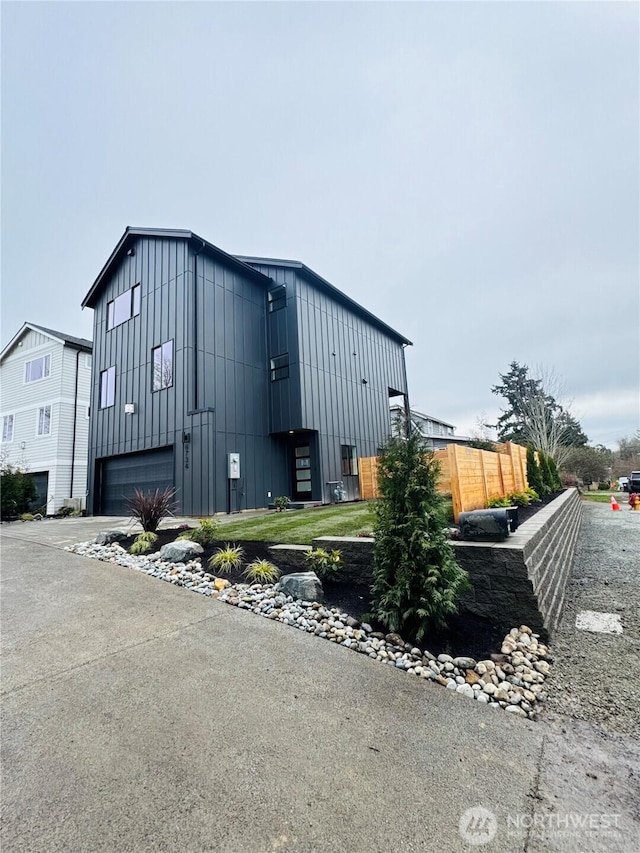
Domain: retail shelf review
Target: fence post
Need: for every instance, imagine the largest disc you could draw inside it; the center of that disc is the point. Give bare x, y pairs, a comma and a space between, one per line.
456, 497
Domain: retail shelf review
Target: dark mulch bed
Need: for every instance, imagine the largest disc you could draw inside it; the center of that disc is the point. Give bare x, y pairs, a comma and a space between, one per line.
465, 635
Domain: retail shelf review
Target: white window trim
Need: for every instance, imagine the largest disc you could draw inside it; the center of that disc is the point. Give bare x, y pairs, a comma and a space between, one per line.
44, 434
13, 428
42, 378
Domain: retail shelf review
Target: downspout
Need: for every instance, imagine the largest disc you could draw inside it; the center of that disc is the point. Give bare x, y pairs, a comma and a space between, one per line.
407, 407
75, 421
195, 326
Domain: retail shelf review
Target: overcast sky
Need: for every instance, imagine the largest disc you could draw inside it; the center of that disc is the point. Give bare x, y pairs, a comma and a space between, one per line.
467, 172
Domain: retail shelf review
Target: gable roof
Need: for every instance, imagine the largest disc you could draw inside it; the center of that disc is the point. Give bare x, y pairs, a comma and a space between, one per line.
66, 340
131, 234
239, 262
323, 284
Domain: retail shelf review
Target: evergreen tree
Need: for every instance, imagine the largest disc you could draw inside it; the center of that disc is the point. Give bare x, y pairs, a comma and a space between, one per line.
533, 473
555, 474
416, 581
545, 472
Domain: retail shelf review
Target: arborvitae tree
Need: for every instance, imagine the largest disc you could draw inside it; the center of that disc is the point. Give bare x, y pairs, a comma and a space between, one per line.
533, 473
545, 472
555, 474
416, 580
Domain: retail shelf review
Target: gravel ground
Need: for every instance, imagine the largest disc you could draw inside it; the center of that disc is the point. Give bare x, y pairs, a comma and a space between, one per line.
595, 676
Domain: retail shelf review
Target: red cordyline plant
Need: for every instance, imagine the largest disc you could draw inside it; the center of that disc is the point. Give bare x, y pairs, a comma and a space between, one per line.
149, 508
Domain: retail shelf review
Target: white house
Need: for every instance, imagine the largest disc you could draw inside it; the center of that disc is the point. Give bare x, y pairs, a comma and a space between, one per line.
438, 434
45, 381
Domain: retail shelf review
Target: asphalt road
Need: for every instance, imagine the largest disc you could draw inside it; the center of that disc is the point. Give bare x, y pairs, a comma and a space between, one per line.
140, 716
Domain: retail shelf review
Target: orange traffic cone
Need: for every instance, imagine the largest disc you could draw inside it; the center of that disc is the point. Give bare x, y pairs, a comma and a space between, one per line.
614, 504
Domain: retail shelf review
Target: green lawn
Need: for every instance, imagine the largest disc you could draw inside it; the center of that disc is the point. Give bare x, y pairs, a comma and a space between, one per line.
605, 497
300, 526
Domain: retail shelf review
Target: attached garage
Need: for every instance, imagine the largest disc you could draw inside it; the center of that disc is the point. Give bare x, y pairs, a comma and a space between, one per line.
119, 476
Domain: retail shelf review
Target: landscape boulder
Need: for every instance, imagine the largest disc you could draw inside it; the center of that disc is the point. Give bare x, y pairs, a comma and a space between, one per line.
180, 551
303, 585
108, 537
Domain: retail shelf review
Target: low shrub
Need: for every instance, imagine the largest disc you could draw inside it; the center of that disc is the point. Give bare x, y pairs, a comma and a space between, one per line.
17, 491
204, 534
325, 564
262, 571
149, 508
65, 511
143, 542
521, 499
227, 559
532, 494
495, 503
27, 516
282, 502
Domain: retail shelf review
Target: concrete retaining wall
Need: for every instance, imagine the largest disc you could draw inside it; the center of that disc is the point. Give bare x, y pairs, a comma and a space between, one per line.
519, 581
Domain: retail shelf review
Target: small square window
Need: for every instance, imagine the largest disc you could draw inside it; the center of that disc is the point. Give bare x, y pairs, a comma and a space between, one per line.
44, 420
163, 366
7, 428
108, 388
37, 369
349, 460
279, 367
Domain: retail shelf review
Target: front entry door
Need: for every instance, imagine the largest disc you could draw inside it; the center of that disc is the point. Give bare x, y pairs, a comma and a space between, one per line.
302, 472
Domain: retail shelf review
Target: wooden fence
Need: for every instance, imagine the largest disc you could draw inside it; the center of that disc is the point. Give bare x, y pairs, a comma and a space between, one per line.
472, 477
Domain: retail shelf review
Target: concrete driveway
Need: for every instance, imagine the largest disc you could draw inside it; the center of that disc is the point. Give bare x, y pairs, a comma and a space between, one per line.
140, 716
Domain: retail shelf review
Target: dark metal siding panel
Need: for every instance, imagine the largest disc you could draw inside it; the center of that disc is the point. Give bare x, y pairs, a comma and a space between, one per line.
159, 267
335, 402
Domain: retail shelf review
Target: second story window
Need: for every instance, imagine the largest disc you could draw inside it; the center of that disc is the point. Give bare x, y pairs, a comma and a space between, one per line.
37, 369
108, 388
277, 298
123, 307
44, 420
280, 367
163, 366
7, 428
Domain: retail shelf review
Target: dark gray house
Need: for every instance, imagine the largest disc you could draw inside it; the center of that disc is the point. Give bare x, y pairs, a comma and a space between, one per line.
233, 379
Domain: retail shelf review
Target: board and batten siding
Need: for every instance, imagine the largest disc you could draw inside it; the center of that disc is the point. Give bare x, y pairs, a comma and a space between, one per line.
51, 453
347, 367
219, 396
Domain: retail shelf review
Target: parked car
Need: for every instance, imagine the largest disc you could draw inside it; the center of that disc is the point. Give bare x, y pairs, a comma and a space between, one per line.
634, 482
623, 484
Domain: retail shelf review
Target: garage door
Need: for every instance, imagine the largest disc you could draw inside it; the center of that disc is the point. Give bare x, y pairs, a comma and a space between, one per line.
41, 482
122, 474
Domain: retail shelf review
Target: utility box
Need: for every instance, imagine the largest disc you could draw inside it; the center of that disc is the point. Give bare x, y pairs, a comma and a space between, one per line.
484, 525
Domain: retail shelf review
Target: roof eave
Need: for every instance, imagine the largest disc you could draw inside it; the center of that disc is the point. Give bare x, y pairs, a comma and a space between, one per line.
338, 294
132, 233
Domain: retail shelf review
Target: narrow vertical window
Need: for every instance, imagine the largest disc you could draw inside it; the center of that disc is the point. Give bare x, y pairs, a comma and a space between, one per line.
163, 366
7, 428
135, 300
277, 298
44, 420
349, 460
279, 366
108, 388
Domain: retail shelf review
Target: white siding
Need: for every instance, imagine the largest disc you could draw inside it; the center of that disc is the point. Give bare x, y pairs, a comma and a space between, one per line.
52, 453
